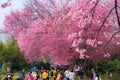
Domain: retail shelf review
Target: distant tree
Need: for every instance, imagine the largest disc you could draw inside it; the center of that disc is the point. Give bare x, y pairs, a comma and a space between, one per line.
11, 53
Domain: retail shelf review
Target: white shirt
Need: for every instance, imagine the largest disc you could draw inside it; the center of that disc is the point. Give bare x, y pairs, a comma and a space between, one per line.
71, 75
96, 78
67, 73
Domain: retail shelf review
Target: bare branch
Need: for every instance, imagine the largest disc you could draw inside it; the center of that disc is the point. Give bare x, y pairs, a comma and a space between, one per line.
31, 3
52, 2
104, 22
116, 11
46, 9
111, 38
118, 6
95, 5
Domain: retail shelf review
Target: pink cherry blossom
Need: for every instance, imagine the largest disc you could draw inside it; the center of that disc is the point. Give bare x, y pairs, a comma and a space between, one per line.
65, 33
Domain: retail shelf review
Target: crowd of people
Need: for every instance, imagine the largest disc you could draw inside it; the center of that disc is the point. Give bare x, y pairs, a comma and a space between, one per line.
55, 73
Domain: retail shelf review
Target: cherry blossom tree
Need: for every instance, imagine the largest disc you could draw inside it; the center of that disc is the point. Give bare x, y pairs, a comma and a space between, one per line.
66, 31
97, 37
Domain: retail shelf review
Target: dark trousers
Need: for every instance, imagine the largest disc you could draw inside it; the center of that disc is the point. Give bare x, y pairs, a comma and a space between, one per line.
67, 79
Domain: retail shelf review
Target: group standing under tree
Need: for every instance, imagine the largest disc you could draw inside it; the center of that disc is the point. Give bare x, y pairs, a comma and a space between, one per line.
55, 73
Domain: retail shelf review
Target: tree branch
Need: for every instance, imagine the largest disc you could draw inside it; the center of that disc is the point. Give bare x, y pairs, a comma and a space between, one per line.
95, 5
116, 11
111, 38
104, 22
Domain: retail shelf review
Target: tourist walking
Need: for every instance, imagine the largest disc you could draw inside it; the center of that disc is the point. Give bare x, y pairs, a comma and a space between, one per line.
30, 77
67, 74
97, 77
45, 75
59, 76
81, 73
71, 75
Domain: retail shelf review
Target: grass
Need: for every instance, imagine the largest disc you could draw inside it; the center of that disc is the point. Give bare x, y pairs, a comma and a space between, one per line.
115, 76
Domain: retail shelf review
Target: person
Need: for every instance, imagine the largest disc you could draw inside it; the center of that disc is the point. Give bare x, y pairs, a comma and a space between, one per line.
9, 71
29, 76
62, 75
52, 73
67, 74
81, 73
33, 69
59, 76
76, 69
21, 76
34, 74
93, 74
97, 77
44, 75
23, 73
38, 76
8, 77
71, 75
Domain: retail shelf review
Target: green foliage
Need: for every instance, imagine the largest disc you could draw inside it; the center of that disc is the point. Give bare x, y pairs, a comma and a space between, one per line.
110, 66
42, 64
113, 65
9, 52
2, 71
4, 67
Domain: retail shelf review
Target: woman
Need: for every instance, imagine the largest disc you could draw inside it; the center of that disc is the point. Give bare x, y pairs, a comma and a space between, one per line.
30, 77
59, 76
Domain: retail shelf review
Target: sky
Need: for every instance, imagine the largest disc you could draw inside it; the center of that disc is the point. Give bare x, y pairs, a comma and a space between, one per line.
15, 5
